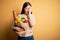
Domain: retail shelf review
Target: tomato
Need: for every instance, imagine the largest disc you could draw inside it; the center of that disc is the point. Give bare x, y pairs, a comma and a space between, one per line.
25, 21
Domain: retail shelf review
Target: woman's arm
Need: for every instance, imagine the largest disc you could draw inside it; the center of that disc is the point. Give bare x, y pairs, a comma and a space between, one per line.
31, 20
17, 28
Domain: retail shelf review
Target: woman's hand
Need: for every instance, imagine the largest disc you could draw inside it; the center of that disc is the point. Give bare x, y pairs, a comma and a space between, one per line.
28, 16
30, 10
18, 29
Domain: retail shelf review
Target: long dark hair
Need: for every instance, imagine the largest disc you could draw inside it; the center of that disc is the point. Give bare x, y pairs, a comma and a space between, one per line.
24, 6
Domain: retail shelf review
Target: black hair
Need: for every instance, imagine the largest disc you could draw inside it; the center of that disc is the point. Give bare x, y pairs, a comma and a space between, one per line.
24, 6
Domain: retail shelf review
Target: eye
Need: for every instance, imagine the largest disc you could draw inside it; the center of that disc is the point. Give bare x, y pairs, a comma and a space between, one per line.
26, 8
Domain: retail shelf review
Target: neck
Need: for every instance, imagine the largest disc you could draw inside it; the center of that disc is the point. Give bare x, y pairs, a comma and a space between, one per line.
26, 13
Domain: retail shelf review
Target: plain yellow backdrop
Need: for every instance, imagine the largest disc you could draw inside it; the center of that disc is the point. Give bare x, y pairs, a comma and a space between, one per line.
47, 14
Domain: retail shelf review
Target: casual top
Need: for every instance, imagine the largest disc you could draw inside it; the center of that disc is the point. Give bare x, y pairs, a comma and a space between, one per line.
28, 30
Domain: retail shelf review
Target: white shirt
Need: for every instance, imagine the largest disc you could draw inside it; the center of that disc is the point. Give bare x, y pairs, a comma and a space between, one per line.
28, 30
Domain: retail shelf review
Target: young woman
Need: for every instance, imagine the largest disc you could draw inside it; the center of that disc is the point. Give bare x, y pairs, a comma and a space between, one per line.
25, 32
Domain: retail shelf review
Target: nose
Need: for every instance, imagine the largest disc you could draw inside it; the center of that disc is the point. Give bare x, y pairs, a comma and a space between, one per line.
28, 8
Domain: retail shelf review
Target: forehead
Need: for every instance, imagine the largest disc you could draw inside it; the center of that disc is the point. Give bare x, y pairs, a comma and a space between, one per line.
28, 6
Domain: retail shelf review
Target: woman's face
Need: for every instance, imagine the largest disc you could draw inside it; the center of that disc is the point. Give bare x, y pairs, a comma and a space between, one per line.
27, 9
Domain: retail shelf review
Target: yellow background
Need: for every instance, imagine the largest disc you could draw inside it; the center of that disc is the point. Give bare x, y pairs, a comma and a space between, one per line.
47, 15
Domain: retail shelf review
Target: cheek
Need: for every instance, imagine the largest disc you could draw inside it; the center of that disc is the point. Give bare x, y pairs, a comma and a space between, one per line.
26, 9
